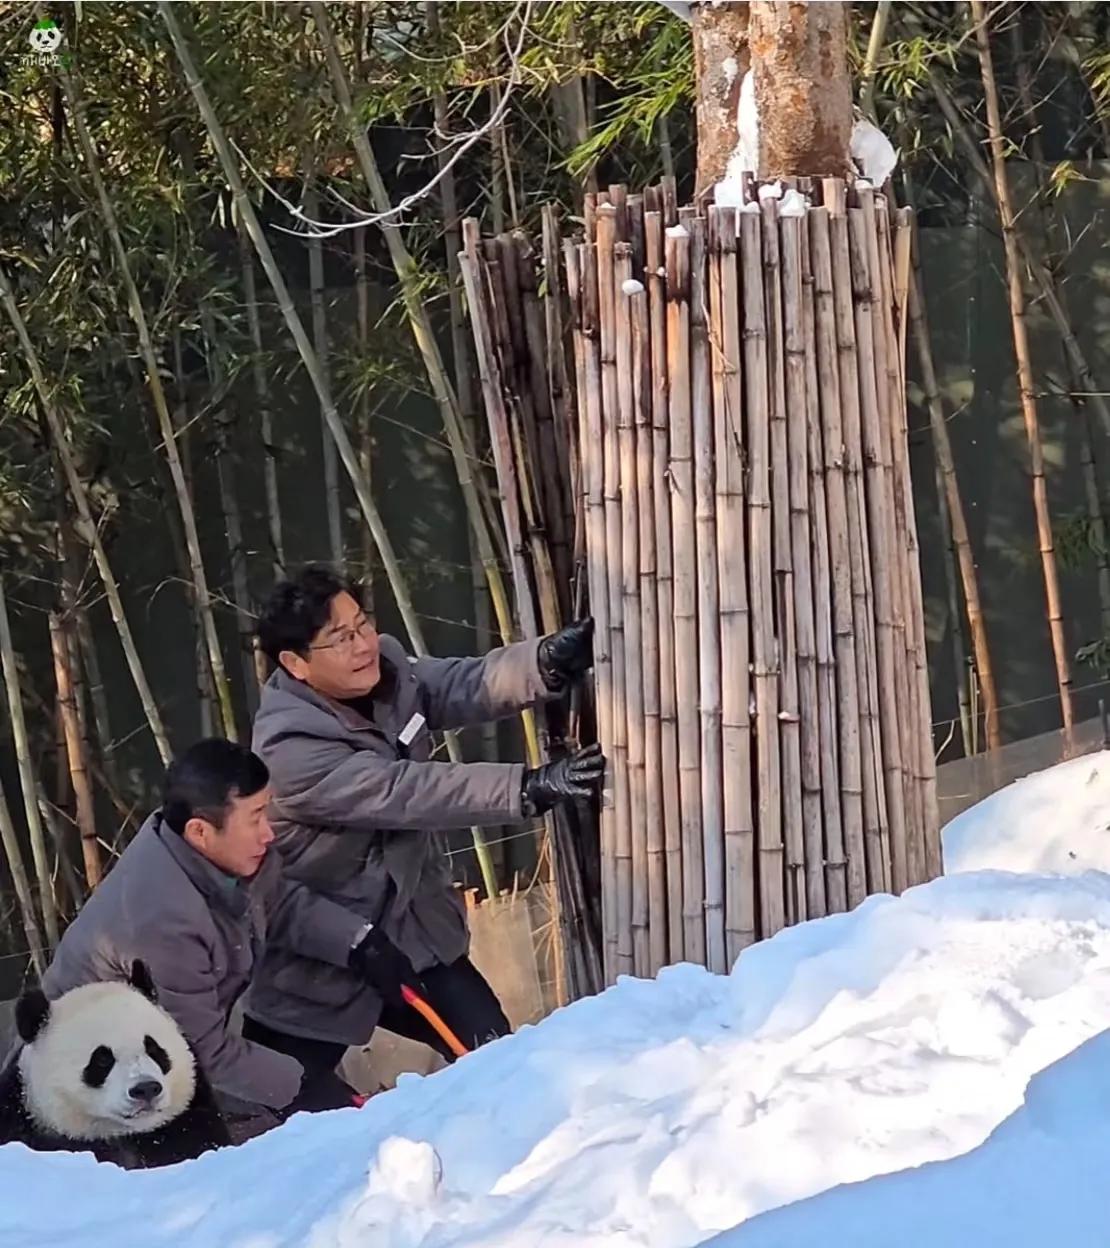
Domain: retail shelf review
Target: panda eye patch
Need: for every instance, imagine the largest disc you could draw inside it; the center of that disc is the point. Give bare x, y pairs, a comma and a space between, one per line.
98, 1067
157, 1054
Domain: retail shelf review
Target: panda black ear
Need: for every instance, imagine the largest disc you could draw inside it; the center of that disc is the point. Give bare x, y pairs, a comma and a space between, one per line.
31, 1012
142, 980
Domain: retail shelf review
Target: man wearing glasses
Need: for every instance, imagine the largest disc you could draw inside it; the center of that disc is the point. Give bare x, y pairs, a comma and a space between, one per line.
359, 808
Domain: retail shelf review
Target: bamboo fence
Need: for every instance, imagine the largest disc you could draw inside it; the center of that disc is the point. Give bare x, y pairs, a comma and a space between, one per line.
709, 432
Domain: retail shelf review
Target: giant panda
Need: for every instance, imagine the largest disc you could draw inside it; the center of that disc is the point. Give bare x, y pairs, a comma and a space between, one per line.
105, 1070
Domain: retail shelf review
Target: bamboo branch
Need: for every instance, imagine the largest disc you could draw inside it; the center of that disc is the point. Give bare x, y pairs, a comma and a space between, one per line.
22, 886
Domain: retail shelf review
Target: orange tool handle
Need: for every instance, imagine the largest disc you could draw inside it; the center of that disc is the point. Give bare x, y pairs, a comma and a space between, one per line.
445, 1033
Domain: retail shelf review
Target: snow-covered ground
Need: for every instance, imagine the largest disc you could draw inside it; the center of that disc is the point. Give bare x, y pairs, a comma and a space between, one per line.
662, 1114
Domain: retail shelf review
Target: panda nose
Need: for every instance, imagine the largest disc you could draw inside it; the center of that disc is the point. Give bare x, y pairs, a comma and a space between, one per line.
145, 1090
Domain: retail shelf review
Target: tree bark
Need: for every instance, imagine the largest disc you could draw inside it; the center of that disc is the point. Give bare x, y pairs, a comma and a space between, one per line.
1026, 380
721, 59
803, 93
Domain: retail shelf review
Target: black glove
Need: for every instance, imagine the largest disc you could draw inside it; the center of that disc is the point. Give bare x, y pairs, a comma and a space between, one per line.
321, 1090
378, 960
567, 654
578, 775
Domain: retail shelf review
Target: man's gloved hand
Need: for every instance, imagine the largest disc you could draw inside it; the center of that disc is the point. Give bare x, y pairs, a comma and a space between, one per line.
566, 654
578, 775
378, 960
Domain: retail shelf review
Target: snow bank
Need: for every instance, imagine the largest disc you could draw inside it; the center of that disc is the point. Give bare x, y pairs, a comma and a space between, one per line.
1056, 822
660, 1113
1039, 1179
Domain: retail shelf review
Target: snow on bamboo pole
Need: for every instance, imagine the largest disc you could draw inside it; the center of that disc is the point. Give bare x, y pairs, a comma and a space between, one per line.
316, 376
875, 822
838, 717
734, 617
683, 530
610, 447
772, 910
664, 578
787, 642
22, 743
794, 345
158, 397
708, 605
88, 529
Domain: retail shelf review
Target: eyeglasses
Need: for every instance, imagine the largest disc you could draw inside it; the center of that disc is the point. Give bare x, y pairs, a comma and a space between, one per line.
346, 639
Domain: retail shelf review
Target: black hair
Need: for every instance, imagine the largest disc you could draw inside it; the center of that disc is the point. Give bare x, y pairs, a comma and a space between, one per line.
298, 609
201, 783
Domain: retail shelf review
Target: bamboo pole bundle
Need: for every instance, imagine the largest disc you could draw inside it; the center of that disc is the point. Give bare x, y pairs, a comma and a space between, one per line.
610, 449
683, 527
736, 734
664, 577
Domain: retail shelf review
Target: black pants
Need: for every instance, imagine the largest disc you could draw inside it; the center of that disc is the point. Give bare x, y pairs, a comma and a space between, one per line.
458, 993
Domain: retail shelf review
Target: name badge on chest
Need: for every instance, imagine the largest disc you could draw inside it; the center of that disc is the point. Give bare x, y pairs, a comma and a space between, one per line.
407, 735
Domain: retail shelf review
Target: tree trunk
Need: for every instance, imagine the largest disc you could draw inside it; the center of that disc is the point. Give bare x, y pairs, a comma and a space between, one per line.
88, 531
158, 396
721, 59
1026, 381
803, 93
311, 363
27, 775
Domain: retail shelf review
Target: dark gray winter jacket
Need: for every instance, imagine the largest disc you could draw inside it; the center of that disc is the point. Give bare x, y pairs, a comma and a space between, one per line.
358, 811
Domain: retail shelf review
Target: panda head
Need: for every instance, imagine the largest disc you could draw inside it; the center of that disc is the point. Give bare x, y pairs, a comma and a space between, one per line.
103, 1060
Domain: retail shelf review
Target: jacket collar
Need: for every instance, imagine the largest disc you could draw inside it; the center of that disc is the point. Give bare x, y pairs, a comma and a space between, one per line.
217, 887
347, 715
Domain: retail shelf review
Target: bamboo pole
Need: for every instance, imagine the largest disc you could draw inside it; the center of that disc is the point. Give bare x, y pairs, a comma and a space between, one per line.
631, 609
158, 398
837, 699
732, 575
649, 632
661, 485
88, 531
683, 529
708, 605
262, 398
22, 743
364, 434
875, 822
1026, 381
769, 827
75, 752
789, 710
16, 869
319, 382
333, 508
610, 449
805, 621
592, 482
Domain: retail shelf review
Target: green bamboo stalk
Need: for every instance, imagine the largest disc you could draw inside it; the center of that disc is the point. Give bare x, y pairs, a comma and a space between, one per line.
311, 363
